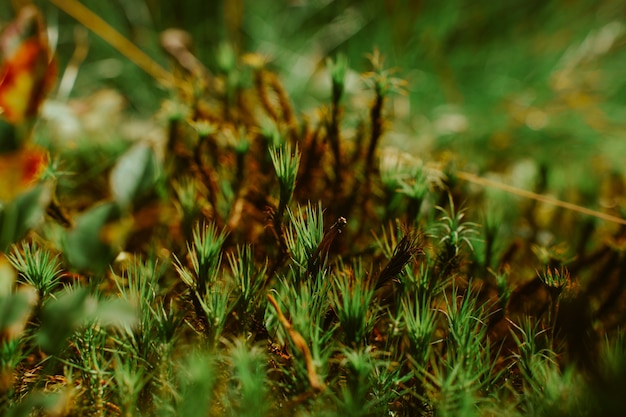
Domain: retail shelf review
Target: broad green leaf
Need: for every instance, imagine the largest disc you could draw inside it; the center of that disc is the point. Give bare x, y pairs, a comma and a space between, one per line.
61, 316
86, 245
134, 174
197, 377
40, 401
116, 312
14, 311
23, 213
8, 275
75, 307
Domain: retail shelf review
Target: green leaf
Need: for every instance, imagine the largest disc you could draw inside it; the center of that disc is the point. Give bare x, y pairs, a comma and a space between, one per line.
61, 316
14, 311
84, 246
73, 308
23, 213
197, 378
116, 312
134, 174
8, 275
36, 401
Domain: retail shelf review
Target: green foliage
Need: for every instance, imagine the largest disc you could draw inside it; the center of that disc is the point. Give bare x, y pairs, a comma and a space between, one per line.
21, 214
250, 279
36, 401
87, 246
61, 317
453, 234
354, 396
134, 173
74, 307
307, 305
352, 295
129, 379
37, 267
246, 255
338, 69
248, 394
286, 163
304, 234
205, 256
535, 360
421, 322
186, 190
197, 376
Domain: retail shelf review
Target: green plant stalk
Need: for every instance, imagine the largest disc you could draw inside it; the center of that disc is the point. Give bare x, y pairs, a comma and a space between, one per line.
555, 281
250, 281
286, 166
420, 321
129, 381
455, 233
351, 300
216, 306
38, 268
305, 233
249, 396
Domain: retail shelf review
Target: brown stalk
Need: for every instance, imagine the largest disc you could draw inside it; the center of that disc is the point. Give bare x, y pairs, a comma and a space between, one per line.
362, 189
283, 101
263, 93
377, 122
335, 142
277, 225
409, 246
310, 159
475, 179
208, 174
321, 252
301, 344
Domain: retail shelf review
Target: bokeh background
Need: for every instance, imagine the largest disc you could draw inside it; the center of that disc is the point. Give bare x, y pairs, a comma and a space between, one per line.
529, 85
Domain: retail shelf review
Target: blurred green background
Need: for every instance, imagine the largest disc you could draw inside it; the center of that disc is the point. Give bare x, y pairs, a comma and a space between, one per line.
494, 82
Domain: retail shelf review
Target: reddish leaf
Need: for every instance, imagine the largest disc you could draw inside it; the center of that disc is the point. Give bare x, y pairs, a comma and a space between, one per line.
20, 170
26, 70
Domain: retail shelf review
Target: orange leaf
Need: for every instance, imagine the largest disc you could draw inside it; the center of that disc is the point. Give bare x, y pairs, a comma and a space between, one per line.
27, 70
21, 169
